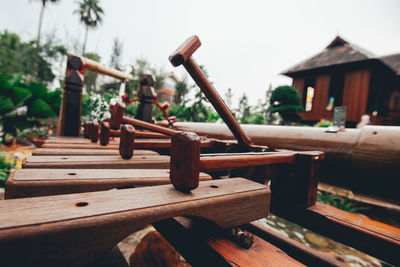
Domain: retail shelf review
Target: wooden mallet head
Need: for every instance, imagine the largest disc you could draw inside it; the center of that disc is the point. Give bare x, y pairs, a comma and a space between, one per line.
86, 129
127, 141
94, 131
104, 133
185, 51
185, 161
117, 115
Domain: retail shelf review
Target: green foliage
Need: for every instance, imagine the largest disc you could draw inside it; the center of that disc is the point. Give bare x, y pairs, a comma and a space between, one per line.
23, 105
96, 107
285, 100
32, 61
343, 203
5, 167
323, 123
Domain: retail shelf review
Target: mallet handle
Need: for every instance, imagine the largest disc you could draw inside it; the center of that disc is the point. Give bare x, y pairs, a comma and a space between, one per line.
117, 133
148, 126
237, 161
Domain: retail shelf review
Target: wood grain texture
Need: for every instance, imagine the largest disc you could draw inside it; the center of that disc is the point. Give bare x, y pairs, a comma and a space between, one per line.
232, 162
295, 249
204, 244
185, 162
46, 182
96, 162
374, 238
86, 152
72, 230
74, 141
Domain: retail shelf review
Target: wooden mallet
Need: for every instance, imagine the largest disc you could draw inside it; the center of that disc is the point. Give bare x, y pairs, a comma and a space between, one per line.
183, 55
106, 133
93, 131
186, 162
117, 118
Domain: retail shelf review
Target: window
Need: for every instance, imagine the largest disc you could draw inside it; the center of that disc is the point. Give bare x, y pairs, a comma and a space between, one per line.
308, 93
336, 85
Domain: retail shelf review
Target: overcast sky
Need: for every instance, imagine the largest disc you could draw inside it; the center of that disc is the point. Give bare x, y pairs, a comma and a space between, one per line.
245, 44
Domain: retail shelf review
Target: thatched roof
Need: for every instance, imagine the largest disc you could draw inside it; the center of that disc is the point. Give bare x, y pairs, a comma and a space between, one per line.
338, 52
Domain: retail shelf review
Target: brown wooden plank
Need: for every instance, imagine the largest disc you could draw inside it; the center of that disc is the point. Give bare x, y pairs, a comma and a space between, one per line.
75, 141
372, 237
71, 230
86, 152
297, 250
45, 182
96, 162
139, 143
204, 244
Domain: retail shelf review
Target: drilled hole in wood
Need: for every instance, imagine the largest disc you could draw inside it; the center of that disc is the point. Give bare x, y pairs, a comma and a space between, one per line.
71, 173
374, 132
64, 158
81, 204
214, 186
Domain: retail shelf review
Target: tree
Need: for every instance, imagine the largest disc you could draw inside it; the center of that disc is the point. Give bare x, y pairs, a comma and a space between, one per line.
244, 108
228, 98
91, 15
116, 53
33, 62
286, 101
41, 17
182, 89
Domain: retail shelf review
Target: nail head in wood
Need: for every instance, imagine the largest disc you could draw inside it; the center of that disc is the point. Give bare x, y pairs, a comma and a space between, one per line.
127, 141
185, 161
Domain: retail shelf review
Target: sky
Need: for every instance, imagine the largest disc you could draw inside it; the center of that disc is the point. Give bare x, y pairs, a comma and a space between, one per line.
245, 44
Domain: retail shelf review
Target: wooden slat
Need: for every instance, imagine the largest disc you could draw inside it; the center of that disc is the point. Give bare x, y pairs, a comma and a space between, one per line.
295, 249
46, 182
372, 237
86, 152
204, 244
139, 143
76, 141
96, 162
70, 230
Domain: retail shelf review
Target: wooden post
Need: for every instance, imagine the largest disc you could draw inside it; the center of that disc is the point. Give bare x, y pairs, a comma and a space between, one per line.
69, 122
298, 183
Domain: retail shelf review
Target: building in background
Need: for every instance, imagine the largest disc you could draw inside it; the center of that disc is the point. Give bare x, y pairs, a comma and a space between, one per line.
344, 74
167, 91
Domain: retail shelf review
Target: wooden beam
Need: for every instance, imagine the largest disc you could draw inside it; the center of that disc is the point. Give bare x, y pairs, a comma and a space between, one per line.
75, 229
377, 239
96, 162
204, 244
97, 67
46, 182
86, 152
297, 250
